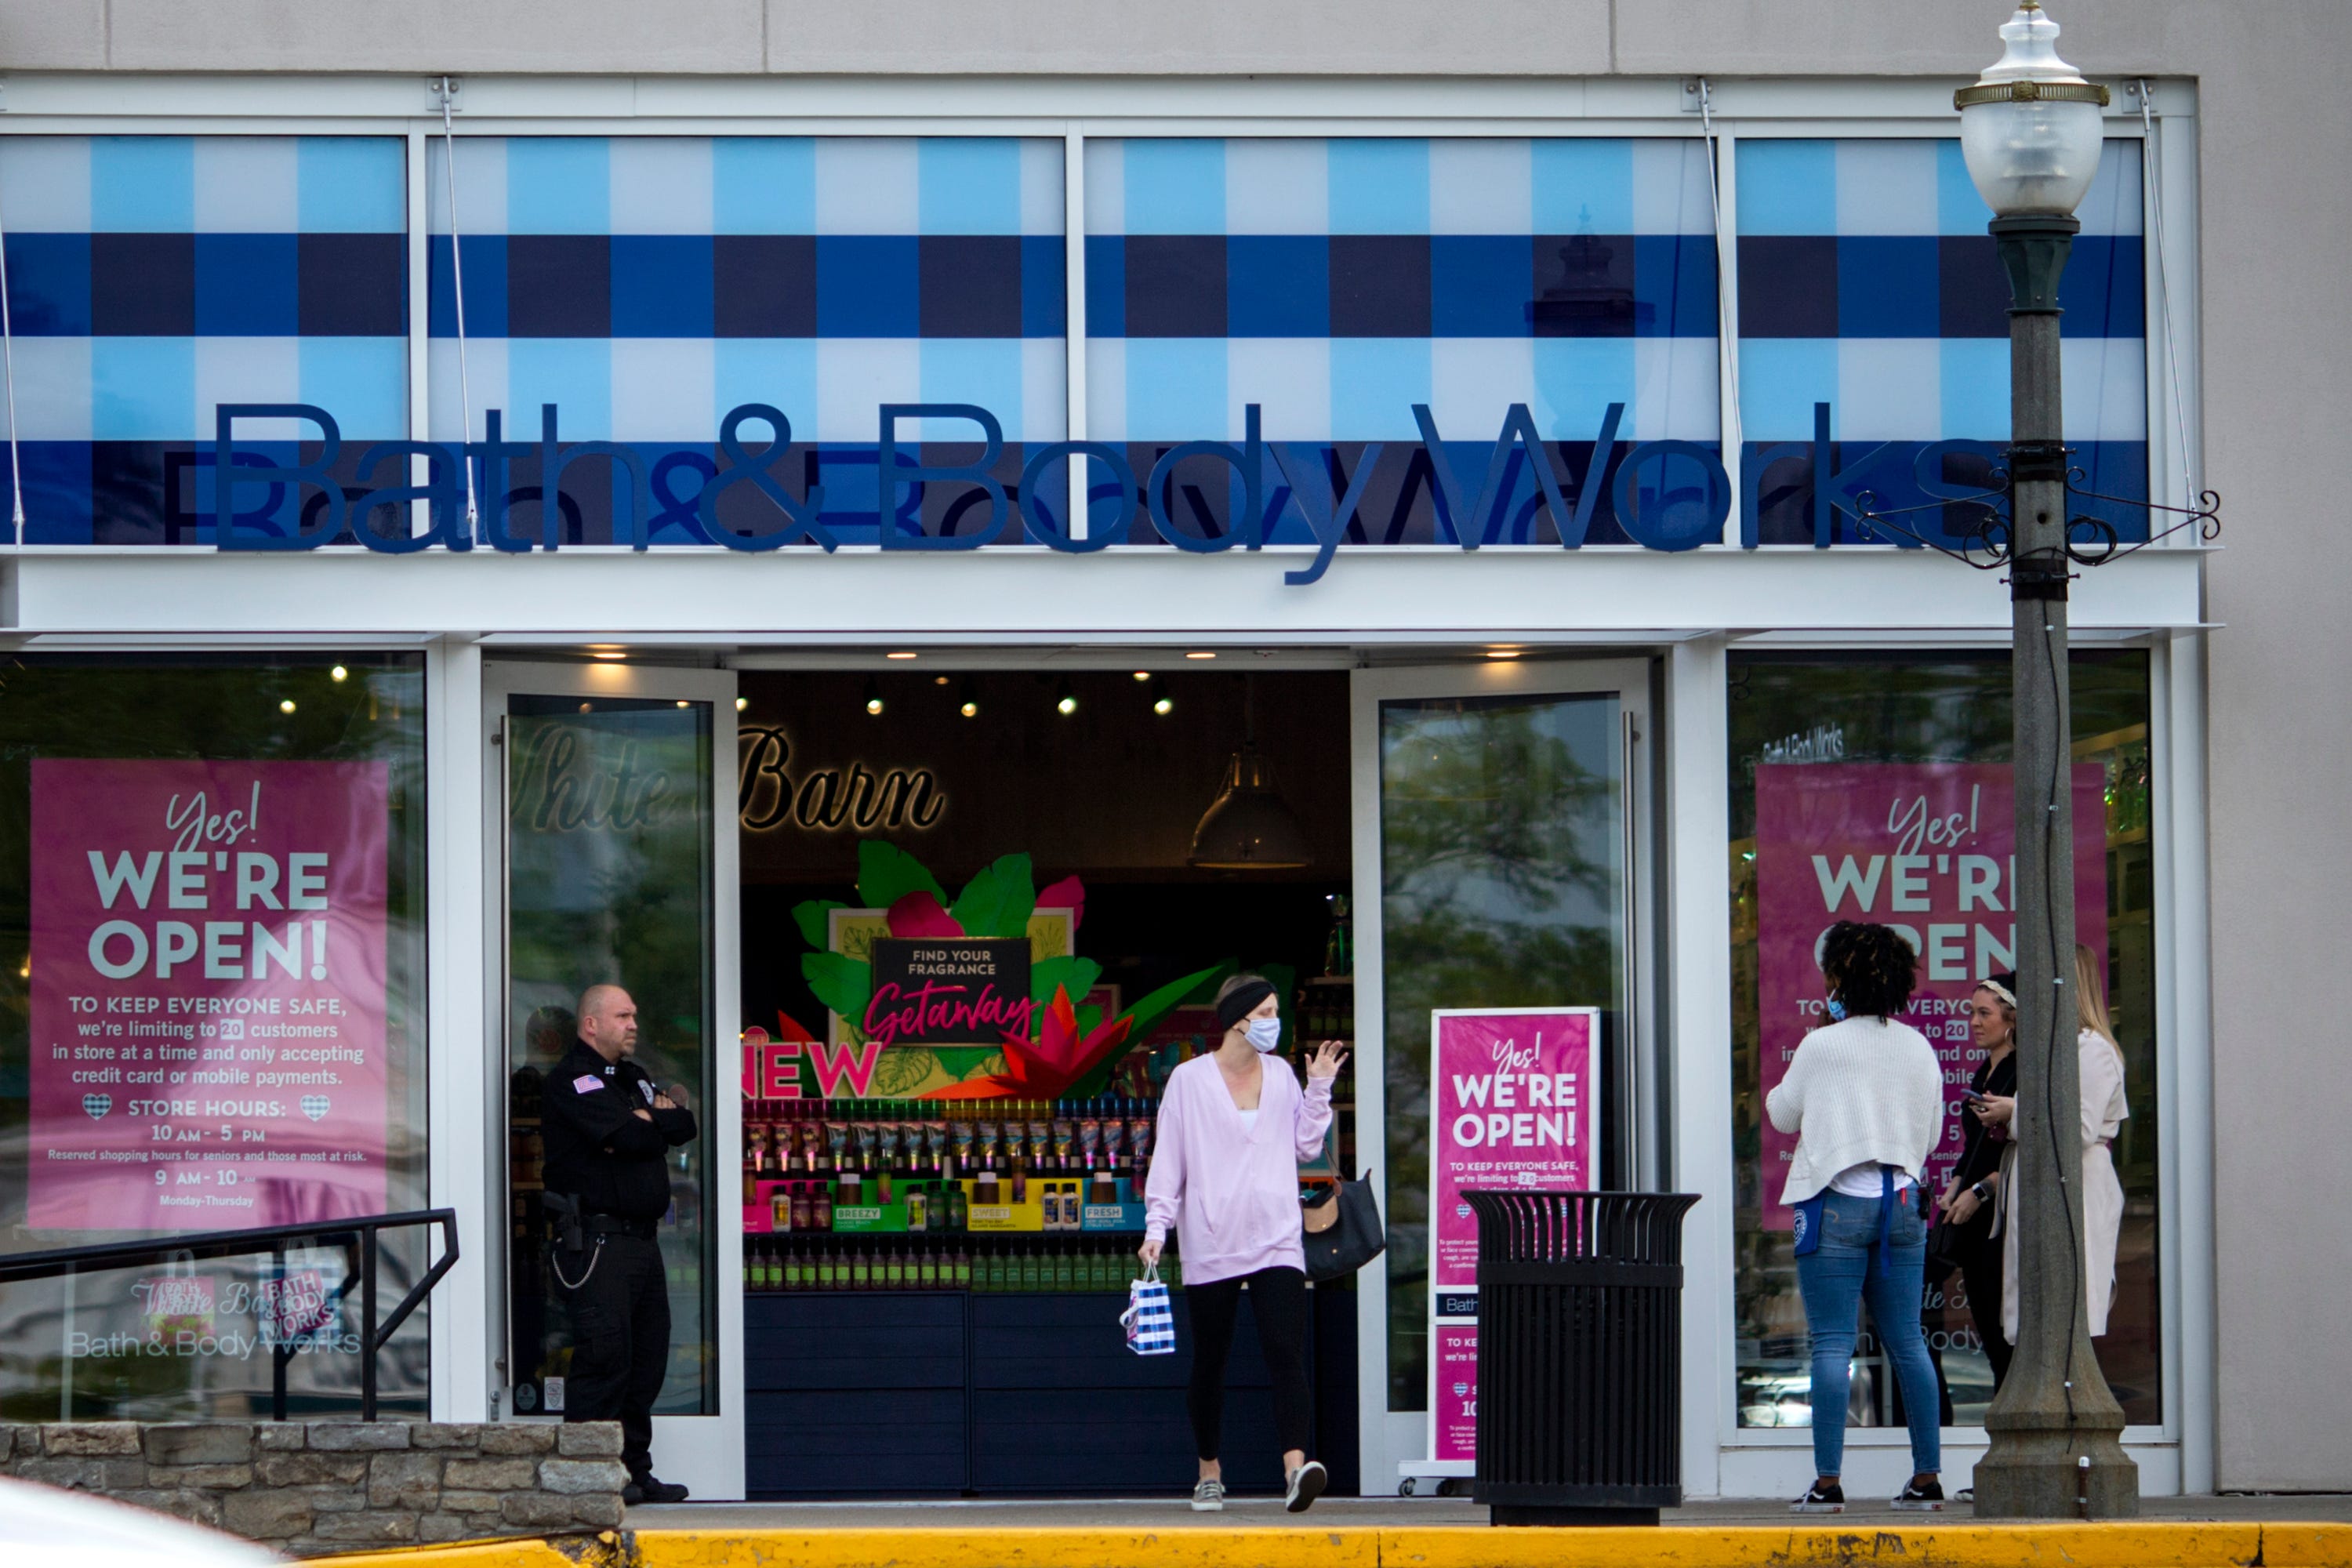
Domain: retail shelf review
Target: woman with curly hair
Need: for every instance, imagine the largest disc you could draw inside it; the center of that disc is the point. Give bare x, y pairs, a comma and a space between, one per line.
1865, 1097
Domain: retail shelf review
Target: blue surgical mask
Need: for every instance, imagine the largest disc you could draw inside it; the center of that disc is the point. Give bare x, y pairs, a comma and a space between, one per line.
1266, 1033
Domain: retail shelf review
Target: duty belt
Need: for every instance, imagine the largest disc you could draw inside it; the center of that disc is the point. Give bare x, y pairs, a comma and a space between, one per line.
614, 1225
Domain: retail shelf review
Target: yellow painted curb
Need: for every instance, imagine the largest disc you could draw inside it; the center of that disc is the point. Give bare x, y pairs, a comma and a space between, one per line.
1182, 1547
2152, 1545
520, 1553
1957, 1545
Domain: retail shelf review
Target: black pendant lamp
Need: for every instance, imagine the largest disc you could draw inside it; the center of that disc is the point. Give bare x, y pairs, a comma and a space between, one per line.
1249, 826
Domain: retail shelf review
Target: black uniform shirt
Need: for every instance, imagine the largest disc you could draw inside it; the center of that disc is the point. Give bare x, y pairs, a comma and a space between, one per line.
598, 1150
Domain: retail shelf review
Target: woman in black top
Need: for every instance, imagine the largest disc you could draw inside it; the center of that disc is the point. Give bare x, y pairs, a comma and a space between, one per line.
1973, 1195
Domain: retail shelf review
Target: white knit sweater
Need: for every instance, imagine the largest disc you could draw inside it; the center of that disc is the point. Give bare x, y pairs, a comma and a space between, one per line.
1867, 1090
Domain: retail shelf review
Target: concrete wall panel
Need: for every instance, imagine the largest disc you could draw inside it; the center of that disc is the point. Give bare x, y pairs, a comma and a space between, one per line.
54, 35
2276, 134
429, 36
1348, 37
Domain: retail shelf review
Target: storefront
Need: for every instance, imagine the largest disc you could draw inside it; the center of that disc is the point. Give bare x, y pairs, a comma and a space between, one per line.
1488, 470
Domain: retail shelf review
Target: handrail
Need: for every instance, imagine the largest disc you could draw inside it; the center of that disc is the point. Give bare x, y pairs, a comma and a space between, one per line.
357, 1235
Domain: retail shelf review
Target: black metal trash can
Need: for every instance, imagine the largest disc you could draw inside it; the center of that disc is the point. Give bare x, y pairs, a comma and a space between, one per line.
1580, 1355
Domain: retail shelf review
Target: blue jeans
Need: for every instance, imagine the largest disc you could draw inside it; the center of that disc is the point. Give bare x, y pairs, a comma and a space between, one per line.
1836, 1278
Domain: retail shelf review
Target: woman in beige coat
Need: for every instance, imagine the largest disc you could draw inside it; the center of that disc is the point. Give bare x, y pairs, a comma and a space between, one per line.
2104, 1111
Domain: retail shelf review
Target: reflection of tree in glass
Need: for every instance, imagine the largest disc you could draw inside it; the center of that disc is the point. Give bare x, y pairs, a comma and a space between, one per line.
1499, 879
1488, 793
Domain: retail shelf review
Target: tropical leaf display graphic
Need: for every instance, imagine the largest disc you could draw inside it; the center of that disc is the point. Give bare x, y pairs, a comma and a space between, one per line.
1070, 1045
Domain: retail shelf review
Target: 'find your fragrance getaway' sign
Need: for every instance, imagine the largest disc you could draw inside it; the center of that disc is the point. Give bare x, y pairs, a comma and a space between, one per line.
949, 991
207, 994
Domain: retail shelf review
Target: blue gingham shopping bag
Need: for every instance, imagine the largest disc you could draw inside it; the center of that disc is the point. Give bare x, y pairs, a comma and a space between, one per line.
1150, 1326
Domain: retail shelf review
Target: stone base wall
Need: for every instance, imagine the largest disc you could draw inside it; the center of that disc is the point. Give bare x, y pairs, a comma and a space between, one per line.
334, 1486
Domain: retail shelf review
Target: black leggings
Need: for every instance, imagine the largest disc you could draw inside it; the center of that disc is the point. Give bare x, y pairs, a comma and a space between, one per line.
1279, 1296
1980, 1273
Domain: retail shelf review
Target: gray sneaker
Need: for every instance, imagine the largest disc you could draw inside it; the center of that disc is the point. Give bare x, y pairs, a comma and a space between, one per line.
1306, 1484
1209, 1497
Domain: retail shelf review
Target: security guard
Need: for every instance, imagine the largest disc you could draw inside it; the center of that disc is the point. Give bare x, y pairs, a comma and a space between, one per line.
608, 1130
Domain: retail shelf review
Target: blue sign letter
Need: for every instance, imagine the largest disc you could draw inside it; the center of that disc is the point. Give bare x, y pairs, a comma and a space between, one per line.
892, 476
226, 535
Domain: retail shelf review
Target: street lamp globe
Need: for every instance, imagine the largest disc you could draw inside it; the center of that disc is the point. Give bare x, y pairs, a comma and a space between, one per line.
2030, 127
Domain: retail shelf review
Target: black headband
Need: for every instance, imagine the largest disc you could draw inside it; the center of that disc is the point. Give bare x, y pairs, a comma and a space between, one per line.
1236, 1004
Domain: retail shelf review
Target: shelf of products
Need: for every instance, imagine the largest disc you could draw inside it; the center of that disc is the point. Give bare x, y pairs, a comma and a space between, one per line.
992, 1264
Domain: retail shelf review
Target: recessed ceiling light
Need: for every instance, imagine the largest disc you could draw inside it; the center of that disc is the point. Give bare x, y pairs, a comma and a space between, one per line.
683, 703
939, 680
742, 703
1142, 675
286, 706
1164, 707
1504, 652
1200, 654
898, 655
339, 674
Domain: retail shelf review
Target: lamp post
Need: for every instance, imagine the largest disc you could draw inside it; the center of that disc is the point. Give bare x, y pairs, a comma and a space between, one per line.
2030, 131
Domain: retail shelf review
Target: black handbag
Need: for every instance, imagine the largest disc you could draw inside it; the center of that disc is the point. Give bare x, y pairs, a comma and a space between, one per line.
1343, 1232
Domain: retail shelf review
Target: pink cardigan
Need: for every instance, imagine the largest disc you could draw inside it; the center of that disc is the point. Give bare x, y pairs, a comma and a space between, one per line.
1232, 1192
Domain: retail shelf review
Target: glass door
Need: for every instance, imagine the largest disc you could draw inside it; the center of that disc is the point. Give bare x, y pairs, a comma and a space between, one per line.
1499, 864
617, 834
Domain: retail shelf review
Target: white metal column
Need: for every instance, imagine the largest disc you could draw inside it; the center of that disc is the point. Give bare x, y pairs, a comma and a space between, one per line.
461, 1077
1698, 1036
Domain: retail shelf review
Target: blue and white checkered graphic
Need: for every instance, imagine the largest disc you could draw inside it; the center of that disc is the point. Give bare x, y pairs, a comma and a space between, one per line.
151, 278
1337, 283
648, 284
1867, 283
1150, 1323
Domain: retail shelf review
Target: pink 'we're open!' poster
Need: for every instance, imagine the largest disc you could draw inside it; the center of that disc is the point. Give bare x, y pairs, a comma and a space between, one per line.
1514, 1103
207, 994
1928, 849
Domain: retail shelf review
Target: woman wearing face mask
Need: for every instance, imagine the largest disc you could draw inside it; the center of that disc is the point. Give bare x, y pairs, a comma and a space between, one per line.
2100, 1061
1973, 1195
1234, 1126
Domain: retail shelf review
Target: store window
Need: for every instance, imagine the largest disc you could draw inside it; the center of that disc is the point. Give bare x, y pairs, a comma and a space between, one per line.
212, 1018
1838, 763
151, 278
1337, 283
1870, 295
646, 286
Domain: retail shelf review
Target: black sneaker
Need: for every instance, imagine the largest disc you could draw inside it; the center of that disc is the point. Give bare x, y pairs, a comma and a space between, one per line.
1917, 1498
1830, 1498
649, 1490
1306, 1484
